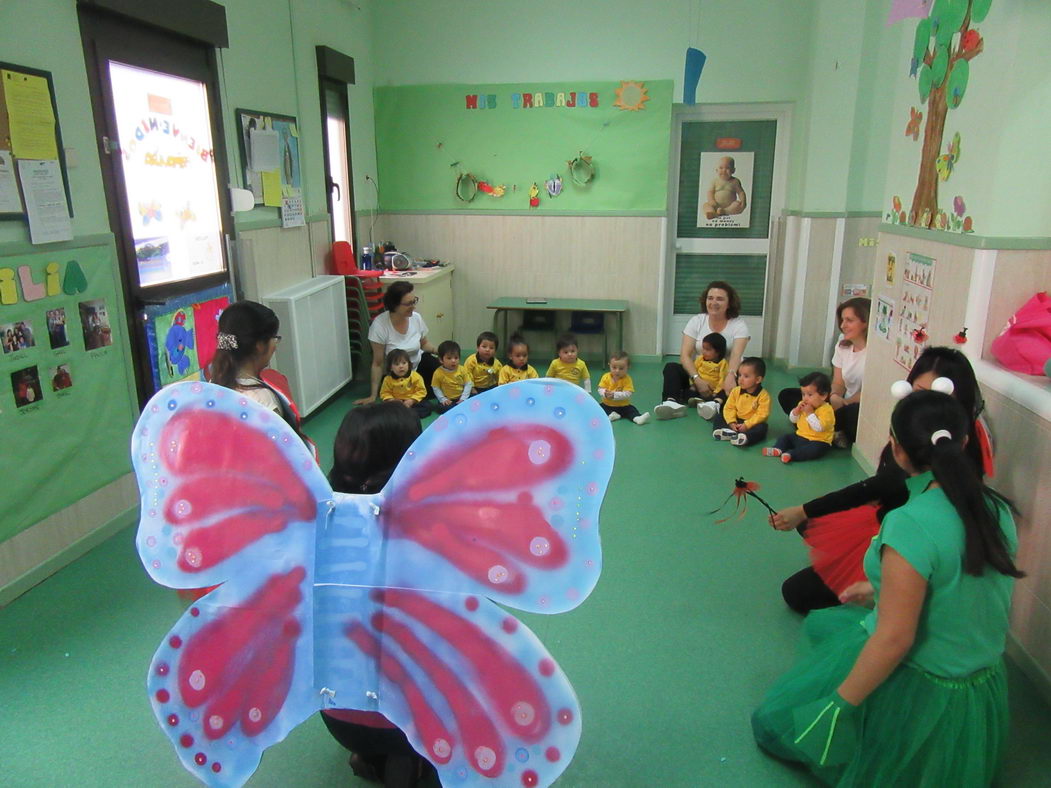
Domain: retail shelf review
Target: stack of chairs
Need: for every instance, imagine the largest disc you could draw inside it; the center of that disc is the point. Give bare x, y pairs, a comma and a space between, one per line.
364, 300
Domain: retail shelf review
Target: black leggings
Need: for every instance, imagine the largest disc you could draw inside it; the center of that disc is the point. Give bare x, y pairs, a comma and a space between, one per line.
805, 591
677, 384
428, 363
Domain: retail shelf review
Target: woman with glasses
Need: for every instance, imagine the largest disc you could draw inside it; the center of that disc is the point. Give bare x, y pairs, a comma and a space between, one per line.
247, 340
401, 327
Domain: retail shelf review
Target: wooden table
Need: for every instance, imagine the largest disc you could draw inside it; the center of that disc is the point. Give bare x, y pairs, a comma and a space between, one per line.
607, 306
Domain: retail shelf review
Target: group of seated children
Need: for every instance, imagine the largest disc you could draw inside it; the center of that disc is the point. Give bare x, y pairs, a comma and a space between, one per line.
741, 416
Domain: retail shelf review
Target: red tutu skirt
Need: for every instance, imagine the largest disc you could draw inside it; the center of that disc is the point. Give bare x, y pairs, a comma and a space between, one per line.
838, 543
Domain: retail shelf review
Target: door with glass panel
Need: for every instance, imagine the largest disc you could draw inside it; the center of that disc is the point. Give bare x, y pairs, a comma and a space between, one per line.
729, 184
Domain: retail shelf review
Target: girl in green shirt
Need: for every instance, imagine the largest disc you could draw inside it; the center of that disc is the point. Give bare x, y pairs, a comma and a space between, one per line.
913, 692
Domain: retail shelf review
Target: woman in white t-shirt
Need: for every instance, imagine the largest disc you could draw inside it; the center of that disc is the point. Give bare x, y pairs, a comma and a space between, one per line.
848, 370
402, 327
720, 313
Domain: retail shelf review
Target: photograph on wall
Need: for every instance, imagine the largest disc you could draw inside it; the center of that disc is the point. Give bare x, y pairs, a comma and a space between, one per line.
270, 152
25, 383
725, 189
17, 336
884, 317
175, 340
61, 377
94, 321
56, 328
914, 309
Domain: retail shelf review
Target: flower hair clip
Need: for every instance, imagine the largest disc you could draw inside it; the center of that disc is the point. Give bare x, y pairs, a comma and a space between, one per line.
226, 341
900, 389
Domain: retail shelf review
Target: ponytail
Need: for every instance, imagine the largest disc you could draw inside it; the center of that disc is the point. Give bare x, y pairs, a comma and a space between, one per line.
242, 326
931, 427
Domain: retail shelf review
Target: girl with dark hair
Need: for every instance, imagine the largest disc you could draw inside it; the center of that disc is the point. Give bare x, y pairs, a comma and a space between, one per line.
839, 526
247, 340
401, 326
917, 694
369, 443
720, 313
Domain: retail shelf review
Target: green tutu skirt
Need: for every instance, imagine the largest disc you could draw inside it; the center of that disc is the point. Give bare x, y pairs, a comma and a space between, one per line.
916, 729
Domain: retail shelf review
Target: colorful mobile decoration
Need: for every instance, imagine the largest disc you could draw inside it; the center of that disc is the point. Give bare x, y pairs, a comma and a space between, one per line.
581, 170
740, 493
631, 96
554, 185
374, 602
912, 128
466, 187
534, 196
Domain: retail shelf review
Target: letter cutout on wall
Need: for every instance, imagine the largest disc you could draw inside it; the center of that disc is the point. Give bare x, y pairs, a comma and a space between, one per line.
376, 602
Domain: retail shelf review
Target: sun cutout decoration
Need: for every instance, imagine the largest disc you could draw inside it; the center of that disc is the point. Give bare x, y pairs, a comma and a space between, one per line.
631, 96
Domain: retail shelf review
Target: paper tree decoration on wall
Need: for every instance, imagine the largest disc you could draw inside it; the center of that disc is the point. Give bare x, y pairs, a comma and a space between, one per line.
944, 46
374, 602
631, 96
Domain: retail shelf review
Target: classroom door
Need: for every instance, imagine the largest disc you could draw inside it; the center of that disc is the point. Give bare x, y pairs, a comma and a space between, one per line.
157, 117
720, 229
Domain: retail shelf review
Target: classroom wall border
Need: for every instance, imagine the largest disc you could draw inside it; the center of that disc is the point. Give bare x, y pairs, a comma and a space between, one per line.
969, 240
533, 212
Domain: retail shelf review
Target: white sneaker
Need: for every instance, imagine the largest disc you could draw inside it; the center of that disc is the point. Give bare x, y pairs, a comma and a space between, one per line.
707, 410
724, 434
642, 418
614, 416
739, 439
669, 409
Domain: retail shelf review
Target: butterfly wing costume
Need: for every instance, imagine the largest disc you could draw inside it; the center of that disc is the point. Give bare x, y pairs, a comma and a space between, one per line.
382, 602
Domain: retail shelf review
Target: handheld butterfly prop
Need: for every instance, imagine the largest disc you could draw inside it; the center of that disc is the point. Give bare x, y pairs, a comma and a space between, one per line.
741, 492
373, 602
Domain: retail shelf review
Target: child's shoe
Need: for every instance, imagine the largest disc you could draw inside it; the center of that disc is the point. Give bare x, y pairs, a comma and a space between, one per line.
840, 440
707, 410
669, 409
724, 434
692, 402
770, 451
614, 416
739, 439
642, 418
786, 458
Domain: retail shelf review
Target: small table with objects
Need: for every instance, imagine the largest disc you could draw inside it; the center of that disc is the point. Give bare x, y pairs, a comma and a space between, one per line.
586, 316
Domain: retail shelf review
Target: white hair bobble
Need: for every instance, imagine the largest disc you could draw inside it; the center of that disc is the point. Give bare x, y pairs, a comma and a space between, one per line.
226, 341
900, 389
937, 435
944, 385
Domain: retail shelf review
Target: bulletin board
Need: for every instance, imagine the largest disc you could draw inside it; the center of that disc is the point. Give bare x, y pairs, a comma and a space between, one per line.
27, 129
279, 176
181, 334
67, 402
429, 135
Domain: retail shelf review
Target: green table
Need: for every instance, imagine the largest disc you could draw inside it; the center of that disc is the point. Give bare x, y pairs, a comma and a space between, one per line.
608, 306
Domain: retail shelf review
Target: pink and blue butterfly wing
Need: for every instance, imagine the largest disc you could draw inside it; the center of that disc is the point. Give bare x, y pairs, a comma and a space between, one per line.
501, 496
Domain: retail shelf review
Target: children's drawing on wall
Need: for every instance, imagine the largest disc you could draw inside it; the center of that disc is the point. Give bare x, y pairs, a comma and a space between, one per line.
56, 328
945, 44
892, 261
61, 377
25, 383
884, 317
151, 255
94, 321
178, 357
17, 336
725, 183
914, 311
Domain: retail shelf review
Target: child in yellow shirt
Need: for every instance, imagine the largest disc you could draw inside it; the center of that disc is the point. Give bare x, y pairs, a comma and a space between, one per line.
483, 366
814, 419
450, 383
567, 366
403, 384
517, 366
616, 387
744, 416
711, 367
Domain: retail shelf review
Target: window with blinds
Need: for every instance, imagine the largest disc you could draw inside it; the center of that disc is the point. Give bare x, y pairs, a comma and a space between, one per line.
745, 272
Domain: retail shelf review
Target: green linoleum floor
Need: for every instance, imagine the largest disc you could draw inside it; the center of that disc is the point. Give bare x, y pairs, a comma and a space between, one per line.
678, 642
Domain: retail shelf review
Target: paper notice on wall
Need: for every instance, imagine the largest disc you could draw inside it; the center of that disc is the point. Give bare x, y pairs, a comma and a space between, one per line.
914, 309
10, 202
271, 188
30, 115
292, 212
266, 149
45, 197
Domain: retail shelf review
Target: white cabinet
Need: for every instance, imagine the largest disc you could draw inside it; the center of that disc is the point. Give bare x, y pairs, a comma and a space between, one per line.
314, 353
434, 287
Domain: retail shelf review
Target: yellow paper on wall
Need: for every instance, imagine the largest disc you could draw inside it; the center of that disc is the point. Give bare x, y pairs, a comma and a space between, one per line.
30, 116
271, 188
